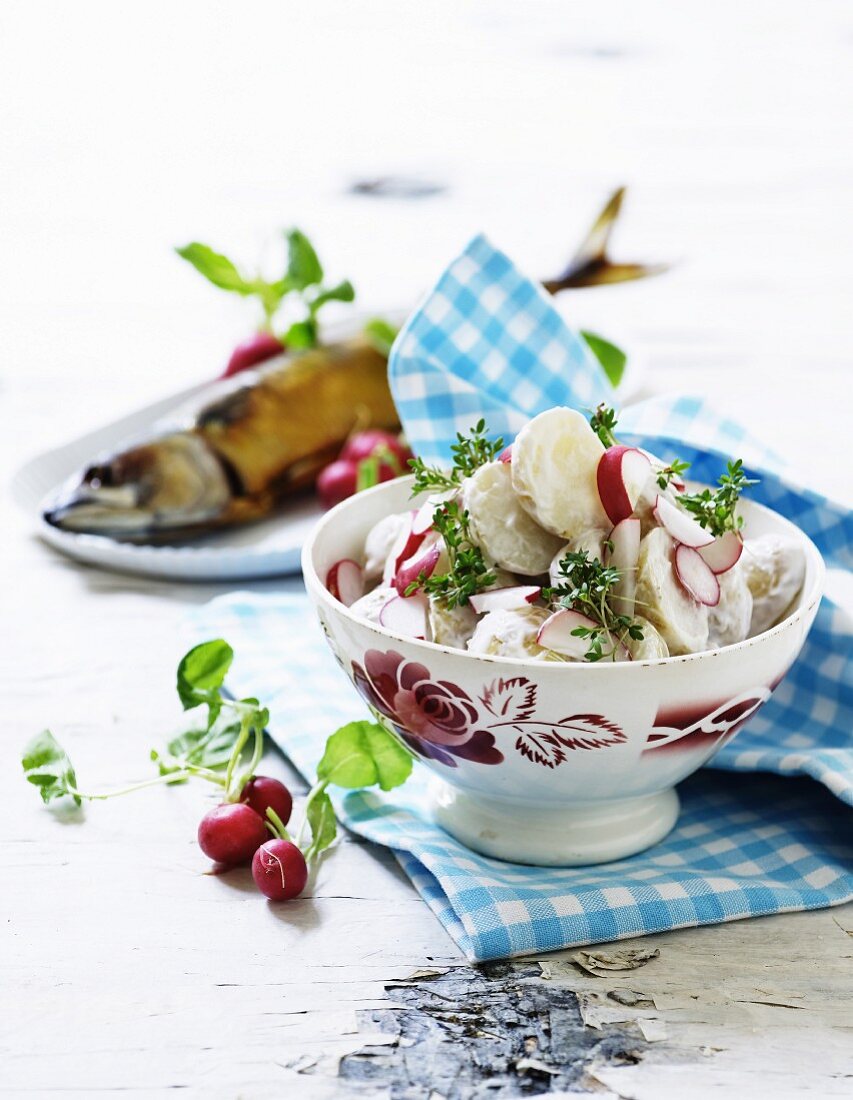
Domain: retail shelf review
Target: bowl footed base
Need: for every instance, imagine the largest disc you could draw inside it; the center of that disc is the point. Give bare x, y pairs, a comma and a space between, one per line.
550, 835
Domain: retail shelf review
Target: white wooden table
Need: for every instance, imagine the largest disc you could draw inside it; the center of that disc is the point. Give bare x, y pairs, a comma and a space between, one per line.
125, 968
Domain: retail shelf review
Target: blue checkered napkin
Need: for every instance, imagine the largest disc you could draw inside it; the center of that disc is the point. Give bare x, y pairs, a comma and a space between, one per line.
745, 845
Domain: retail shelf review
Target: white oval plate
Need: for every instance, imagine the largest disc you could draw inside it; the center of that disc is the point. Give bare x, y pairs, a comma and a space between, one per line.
268, 548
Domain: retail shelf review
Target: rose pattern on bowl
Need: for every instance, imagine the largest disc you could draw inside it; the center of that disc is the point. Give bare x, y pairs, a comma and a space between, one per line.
703, 725
438, 720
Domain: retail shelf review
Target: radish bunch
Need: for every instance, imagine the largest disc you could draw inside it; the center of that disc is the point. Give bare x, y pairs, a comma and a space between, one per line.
250, 823
367, 459
635, 561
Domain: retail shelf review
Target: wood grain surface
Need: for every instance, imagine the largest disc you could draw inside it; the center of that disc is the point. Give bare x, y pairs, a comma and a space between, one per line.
391, 133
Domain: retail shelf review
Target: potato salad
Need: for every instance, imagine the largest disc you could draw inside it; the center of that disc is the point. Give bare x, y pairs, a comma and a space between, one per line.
570, 546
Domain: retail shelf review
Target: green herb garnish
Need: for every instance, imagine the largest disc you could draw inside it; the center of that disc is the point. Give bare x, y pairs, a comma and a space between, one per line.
611, 358
302, 282
469, 454
716, 509
588, 589
468, 573
381, 335
602, 422
666, 474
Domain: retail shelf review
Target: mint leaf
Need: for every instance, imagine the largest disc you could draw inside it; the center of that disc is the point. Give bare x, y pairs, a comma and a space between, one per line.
47, 766
611, 358
303, 265
381, 335
393, 763
321, 818
343, 292
201, 674
216, 268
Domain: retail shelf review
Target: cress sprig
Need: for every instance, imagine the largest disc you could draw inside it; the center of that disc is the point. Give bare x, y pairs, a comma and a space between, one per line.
469, 454
468, 572
716, 509
588, 589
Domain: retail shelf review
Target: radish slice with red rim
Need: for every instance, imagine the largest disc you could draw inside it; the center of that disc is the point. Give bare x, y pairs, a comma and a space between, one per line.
624, 555
510, 598
680, 525
621, 475
696, 577
724, 552
556, 633
406, 615
506, 454
410, 570
345, 581
407, 544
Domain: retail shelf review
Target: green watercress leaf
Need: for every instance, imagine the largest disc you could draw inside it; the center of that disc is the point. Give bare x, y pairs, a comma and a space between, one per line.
393, 762
321, 818
47, 766
611, 357
303, 265
301, 335
216, 268
348, 761
201, 674
381, 334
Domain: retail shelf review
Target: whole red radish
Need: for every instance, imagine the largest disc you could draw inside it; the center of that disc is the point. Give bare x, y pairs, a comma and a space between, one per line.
337, 482
258, 348
279, 870
374, 442
262, 791
231, 833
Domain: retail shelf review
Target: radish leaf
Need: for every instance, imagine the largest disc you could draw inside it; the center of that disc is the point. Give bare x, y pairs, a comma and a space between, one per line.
48, 767
216, 268
381, 335
611, 358
303, 265
362, 754
201, 674
321, 818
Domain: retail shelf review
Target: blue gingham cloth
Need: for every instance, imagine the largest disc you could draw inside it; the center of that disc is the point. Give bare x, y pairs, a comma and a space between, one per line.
487, 342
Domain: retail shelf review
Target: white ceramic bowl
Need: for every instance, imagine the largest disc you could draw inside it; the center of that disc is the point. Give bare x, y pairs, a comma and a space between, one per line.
552, 763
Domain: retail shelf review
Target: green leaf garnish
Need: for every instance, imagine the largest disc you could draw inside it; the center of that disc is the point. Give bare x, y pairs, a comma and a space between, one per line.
301, 335
588, 588
611, 358
362, 754
321, 817
469, 454
468, 572
381, 335
717, 510
603, 422
669, 473
47, 766
216, 268
202, 673
303, 265
343, 292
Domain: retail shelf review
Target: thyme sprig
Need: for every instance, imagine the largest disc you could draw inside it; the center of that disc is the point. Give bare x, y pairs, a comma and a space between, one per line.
716, 509
603, 422
669, 473
469, 454
588, 589
468, 572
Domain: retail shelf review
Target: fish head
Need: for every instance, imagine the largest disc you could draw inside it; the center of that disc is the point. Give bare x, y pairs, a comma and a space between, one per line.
159, 489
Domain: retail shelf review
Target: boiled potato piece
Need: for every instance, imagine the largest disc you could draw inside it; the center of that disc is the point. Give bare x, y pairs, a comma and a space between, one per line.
681, 621
380, 539
371, 604
554, 462
775, 568
652, 644
729, 621
511, 634
502, 529
451, 626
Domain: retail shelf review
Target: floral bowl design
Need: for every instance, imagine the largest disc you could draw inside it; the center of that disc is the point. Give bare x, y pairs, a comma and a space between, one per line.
551, 763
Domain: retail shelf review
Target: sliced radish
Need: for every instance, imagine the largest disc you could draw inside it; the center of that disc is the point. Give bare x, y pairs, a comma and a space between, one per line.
622, 474
683, 528
506, 454
556, 633
624, 556
422, 522
405, 545
407, 616
723, 553
410, 570
696, 577
345, 581
505, 599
